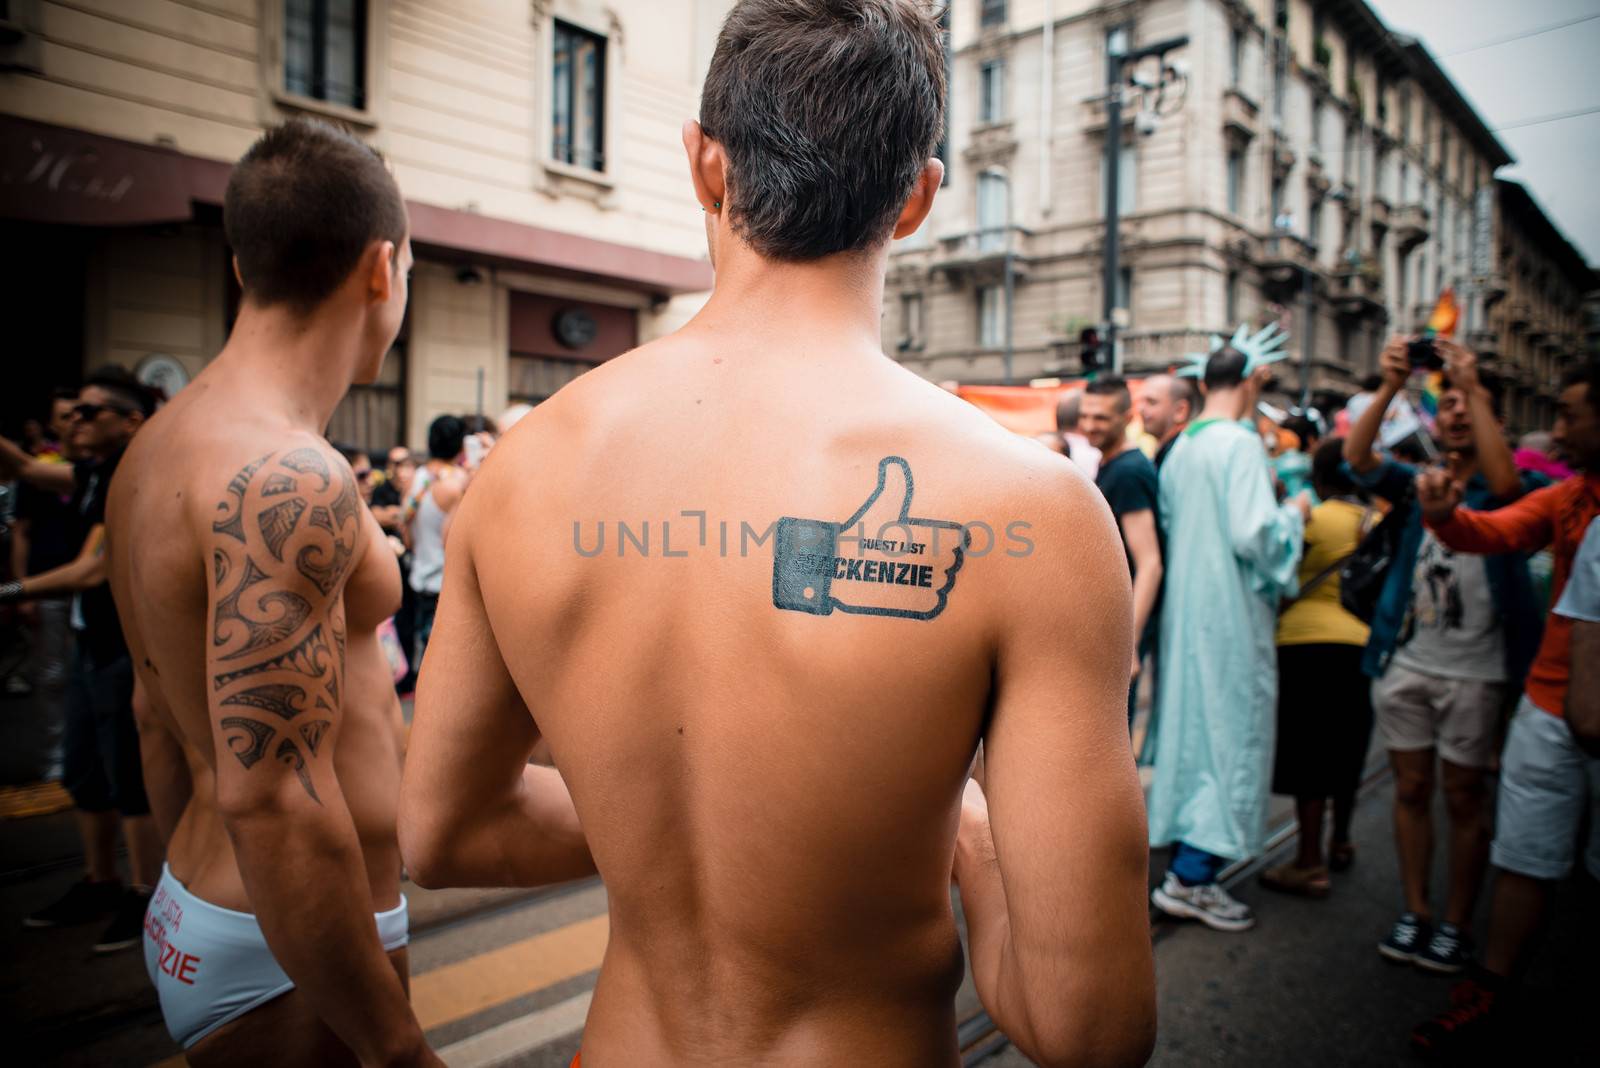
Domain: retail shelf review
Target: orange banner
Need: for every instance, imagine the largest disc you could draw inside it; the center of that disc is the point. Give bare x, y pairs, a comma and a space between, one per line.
1029, 410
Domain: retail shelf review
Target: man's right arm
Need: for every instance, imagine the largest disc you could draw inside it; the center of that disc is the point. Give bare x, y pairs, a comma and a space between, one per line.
1052, 869
279, 550
1524, 526
473, 810
1358, 446
51, 478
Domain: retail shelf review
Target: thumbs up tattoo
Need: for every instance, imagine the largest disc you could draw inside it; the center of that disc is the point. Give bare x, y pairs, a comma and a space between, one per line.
880, 561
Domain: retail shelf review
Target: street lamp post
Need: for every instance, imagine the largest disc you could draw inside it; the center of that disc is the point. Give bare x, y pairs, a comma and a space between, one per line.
1121, 63
1010, 283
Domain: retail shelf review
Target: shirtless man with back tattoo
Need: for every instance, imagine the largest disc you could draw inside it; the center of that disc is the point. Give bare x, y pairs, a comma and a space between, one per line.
763, 721
251, 580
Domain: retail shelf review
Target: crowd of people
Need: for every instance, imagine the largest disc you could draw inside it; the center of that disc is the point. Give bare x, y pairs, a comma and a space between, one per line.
1269, 679
776, 766
77, 669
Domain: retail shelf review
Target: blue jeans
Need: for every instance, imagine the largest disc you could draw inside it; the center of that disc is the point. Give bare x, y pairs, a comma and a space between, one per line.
427, 607
100, 751
1195, 867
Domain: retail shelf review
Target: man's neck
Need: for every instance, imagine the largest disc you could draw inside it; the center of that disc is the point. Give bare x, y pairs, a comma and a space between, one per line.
838, 298
1113, 447
1173, 431
1464, 464
299, 368
1224, 404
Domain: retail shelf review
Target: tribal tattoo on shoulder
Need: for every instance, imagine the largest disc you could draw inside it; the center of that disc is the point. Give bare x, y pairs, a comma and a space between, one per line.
286, 534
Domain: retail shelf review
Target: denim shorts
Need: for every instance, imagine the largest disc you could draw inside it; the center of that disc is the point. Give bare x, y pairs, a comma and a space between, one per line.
1546, 784
100, 747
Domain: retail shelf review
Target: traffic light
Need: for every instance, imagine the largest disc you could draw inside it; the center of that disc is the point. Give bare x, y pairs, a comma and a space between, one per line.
1089, 349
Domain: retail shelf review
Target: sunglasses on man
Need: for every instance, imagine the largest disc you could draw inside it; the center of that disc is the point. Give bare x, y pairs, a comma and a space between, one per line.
90, 412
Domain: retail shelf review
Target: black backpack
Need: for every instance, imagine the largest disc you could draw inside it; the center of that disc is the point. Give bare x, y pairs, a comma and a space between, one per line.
1364, 572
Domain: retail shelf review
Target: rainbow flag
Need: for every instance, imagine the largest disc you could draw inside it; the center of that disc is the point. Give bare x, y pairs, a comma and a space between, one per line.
1432, 390
1442, 323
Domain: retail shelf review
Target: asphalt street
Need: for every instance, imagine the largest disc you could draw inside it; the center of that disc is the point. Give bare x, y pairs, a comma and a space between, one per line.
503, 978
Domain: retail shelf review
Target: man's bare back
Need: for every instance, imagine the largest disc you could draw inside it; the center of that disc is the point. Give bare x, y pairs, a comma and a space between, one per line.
771, 795
762, 591
251, 580
198, 443
164, 511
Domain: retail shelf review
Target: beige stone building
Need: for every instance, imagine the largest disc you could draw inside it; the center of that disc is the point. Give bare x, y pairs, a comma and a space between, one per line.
537, 142
1320, 169
1535, 290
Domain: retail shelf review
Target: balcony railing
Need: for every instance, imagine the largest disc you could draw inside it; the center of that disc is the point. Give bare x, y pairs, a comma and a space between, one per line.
1378, 213
1411, 226
1239, 114
1157, 350
983, 253
1356, 290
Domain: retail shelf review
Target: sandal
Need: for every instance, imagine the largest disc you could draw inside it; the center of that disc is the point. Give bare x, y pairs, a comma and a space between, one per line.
1341, 855
1304, 882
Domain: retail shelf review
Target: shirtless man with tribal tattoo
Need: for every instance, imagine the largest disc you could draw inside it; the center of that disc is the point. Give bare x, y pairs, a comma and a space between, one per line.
251, 580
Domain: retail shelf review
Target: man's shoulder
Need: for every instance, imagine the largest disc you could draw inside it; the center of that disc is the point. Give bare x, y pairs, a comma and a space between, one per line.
1131, 462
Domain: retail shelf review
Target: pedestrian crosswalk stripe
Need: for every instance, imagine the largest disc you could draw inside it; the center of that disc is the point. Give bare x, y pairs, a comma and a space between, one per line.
456, 991
500, 1044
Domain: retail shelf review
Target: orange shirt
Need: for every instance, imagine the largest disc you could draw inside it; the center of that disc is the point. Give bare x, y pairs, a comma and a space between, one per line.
1556, 516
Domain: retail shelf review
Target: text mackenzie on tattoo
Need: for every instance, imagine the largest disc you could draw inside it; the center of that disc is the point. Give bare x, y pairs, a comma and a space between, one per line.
818, 567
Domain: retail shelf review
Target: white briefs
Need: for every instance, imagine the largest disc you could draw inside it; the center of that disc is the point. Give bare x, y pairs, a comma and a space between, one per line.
211, 965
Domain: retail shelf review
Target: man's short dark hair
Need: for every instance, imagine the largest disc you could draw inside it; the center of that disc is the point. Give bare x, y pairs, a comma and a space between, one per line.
124, 388
1067, 408
446, 435
1111, 386
1225, 368
301, 208
1493, 384
1302, 428
828, 111
1328, 470
1371, 383
1586, 373
1184, 391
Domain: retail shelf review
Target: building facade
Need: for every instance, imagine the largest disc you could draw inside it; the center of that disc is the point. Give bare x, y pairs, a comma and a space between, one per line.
1304, 164
1535, 288
537, 143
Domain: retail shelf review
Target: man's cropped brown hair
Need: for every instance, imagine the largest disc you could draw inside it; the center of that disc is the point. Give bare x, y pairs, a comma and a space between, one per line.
828, 111
302, 206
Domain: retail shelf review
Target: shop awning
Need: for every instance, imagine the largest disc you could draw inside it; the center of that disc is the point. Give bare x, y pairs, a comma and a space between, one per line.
56, 175
53, 174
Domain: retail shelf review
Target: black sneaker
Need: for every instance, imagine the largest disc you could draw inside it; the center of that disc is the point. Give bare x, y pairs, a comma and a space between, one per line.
1406, 939
85, 902
127, 926
1470, 1024
1447, 952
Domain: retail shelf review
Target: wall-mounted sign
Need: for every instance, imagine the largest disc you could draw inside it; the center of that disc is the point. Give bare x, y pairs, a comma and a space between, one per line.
163, 373
574, 327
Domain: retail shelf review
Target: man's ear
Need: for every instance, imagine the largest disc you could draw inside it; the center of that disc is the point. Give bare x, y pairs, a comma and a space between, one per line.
379, 267
708, 167
237, 277
921, 200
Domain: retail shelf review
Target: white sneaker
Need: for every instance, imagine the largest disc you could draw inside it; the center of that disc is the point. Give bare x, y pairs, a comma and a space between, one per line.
1209, 903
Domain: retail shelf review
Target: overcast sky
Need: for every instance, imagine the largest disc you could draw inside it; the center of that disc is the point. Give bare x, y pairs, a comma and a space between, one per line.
1531, 77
